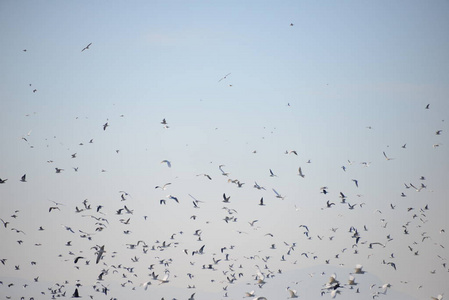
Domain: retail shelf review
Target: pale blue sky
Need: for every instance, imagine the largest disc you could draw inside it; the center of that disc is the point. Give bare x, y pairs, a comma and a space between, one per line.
316, 87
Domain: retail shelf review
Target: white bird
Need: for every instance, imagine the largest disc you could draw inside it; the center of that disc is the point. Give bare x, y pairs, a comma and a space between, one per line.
358, 269
292, 293
162, 187
165, 279
250, 294
146, 284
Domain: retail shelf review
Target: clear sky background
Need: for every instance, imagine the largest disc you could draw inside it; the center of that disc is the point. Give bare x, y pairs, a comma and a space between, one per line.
347, 82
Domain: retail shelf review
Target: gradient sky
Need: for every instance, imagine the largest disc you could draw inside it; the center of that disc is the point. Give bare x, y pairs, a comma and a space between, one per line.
348, 82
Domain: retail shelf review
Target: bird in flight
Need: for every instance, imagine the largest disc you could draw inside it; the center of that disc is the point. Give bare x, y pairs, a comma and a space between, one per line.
99, 254
87, 47
300, 172
386, 157
105, 125
23, 179
167, 162
224, 77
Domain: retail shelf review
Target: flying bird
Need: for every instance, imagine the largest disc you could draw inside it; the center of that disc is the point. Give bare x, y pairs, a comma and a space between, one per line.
87, 47
224, 77
167, 162
386, 157
99, 254
300, 172
23, 179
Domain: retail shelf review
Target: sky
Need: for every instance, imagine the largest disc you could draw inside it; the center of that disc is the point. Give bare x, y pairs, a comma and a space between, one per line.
355, 93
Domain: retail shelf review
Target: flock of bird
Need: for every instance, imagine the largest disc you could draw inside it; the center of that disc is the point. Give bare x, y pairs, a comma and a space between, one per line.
153, 261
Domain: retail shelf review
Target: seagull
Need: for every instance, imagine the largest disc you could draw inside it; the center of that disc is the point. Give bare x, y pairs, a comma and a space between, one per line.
222, 172
258, 186
164, 122
292, 293
300, 172
356, 182
358, 269
165, 279
99, 254
23, 179
3, 180
87, 47
224, 77
261, 202
427, 106
438, 132
163, 187
76, 294
105, 125
226, 199
167, 162
272, 174
386, 157
278, 195
173, 198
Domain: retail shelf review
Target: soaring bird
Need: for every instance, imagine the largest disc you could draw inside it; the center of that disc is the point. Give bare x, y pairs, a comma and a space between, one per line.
224, 77
23, 179
3, 180
87, 47
105, 125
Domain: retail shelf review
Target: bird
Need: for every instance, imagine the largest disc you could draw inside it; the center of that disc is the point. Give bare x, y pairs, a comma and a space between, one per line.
300, 172
278, 195
386, 157
23, 179
87, 47
261, 202
3, 180
292, 293
356, 182
427, 106
173, 198
226, 199
105, 125
166, 162
58, 170
272, 174
224, 77
358, 269
76, 294
99, 254
163, 187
